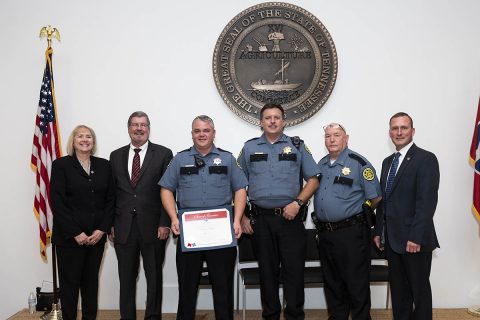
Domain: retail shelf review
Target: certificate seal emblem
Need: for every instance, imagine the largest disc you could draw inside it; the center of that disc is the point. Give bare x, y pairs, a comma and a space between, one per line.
275, 52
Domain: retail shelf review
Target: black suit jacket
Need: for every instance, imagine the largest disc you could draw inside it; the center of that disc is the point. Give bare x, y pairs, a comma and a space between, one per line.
80, 202
408, 210
144, 199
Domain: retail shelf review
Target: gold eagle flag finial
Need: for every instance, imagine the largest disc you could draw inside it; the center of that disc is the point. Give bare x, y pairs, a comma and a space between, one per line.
49, 32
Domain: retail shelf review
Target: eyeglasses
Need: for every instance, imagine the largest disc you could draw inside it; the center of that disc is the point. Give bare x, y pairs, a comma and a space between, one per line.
334, 126
139, 125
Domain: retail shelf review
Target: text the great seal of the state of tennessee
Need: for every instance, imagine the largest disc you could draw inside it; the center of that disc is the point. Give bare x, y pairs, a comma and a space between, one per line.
279, 53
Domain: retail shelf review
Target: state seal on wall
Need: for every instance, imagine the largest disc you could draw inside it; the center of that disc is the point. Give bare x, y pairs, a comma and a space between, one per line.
275, 52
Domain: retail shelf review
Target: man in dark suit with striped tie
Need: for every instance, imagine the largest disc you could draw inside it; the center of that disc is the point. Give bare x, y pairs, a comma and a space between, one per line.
409, 180
141, 225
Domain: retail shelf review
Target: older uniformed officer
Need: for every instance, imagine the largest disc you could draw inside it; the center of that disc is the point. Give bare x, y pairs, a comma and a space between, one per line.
347, 180
204, 176
276, 166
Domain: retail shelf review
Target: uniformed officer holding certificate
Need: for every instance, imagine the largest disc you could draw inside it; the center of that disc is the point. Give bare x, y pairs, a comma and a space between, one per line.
204, 177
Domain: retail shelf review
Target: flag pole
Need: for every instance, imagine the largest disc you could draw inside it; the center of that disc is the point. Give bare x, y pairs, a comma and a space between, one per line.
56, 313
474, 160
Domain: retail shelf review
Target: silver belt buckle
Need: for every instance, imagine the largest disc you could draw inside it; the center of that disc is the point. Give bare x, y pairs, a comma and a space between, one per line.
277, 211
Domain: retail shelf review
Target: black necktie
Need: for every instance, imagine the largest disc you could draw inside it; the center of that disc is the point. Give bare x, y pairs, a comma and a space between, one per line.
135, 167
392, 173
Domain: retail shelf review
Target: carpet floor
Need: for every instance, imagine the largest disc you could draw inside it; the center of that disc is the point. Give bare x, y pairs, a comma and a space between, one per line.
377, 314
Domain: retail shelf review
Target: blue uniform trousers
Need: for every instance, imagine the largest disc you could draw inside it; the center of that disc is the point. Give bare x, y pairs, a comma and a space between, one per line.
221, 266
345, 257
280, 242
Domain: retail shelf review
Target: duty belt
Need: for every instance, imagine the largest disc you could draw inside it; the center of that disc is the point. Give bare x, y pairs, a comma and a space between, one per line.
273, 211
332, 226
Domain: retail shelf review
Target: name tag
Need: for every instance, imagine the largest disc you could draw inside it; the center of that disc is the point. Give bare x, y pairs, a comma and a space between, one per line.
287, 157
188, 170
258, 157
218, 169
343, 180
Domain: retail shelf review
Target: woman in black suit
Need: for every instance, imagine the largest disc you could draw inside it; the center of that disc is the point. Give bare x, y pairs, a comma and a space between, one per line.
82, 196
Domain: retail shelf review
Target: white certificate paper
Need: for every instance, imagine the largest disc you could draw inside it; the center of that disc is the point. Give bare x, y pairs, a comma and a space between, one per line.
206, 229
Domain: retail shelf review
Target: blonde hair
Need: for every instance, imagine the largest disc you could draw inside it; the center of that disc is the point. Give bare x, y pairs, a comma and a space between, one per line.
71, 149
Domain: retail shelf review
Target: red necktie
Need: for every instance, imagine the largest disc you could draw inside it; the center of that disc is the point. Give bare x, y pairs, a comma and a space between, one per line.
135, 167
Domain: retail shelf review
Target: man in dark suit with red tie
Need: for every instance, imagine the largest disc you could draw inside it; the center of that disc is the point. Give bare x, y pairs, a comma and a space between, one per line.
410, 179
141, 225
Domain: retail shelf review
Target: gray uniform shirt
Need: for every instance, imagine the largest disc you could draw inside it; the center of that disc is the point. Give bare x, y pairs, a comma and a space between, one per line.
344, 186
275, 171
202, 186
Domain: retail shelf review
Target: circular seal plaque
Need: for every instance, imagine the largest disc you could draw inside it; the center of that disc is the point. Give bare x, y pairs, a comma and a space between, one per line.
275, 52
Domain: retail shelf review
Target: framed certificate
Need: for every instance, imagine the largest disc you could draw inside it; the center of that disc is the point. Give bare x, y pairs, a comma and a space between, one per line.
206, 229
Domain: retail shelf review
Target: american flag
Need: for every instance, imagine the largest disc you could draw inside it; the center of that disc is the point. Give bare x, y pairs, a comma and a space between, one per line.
46, 148
475, 161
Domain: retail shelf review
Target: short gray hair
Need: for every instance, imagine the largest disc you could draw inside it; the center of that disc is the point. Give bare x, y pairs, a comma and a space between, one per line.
204, 118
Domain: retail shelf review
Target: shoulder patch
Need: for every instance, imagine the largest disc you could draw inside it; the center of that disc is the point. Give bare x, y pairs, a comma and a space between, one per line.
240, 153
185, 150
306, 149
223, 150
238, 162
358, 159
368, 174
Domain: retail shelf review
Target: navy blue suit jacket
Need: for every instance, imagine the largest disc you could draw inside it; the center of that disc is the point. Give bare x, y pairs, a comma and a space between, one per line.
407, 213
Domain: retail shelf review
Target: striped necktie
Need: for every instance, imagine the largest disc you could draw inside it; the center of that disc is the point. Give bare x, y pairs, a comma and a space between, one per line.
392, 173
135, 167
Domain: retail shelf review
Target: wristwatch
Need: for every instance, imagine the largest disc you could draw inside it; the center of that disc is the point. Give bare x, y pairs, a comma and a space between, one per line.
299, 201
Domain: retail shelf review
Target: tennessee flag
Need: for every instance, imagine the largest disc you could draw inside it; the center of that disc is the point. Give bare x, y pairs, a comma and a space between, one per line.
475, 162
